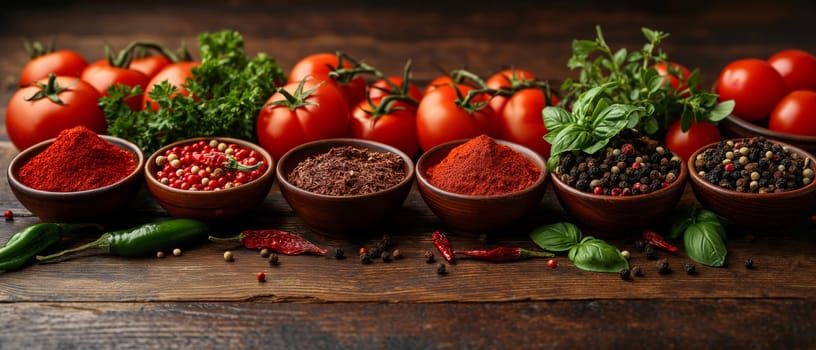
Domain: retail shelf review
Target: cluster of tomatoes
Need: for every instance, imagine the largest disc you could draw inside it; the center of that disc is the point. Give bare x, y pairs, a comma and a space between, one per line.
327, 96
780, 91
50, 78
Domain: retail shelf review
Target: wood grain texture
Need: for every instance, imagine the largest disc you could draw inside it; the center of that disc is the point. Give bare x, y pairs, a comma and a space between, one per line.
597, 324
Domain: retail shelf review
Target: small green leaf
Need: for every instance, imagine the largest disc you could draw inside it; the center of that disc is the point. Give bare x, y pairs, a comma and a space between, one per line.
704, 244
620, 56
721, 111
557, 237
649, 34
597, 256
584, 47
650, 125
556, 118
571, 138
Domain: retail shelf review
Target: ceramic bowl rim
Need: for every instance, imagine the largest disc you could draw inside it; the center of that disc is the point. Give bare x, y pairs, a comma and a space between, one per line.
244, 143
343, 141
697, 180
27, 154
527, 152
768, 133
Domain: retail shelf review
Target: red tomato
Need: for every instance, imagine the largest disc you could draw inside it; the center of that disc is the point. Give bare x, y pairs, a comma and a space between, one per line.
150, 65
30, 122
103, 76
522, 122
795, 114
176, 74
397, 128
318, 66
504, 80
324, 114
684, 144
381, 88
441, 80
754, 85
61, 62
797, 67
440, 119
677, 71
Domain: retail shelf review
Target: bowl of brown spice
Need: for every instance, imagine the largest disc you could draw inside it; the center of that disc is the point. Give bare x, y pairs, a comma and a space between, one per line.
345, 186
78, 176
481, 185
754, 182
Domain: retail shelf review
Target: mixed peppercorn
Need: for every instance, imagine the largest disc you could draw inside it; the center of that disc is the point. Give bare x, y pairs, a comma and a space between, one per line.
208, 166
754, 165
632, 165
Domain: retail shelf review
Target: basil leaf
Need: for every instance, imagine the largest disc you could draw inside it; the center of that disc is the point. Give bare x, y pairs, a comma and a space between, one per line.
571, 138
555, 119
597, 256
557, 237
721, 110
679, 226
704, 215
704, 243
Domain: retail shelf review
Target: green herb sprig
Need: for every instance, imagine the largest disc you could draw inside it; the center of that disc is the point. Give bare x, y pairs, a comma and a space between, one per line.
227, 92
590, 125
637, 82
587, 253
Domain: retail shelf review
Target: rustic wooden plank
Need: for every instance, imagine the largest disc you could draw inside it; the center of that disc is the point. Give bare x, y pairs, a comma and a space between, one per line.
605, 324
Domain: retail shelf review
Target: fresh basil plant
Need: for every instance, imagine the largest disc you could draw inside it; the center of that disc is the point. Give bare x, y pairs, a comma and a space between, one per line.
587, 253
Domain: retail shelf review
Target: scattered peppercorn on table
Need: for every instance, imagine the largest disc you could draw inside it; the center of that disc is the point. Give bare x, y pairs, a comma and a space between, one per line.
222, 295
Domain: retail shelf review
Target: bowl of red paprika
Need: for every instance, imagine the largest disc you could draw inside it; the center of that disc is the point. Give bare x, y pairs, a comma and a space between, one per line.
78, 176
481, 185
210, 178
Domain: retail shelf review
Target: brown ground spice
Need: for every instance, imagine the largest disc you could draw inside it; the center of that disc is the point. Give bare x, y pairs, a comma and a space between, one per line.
348, 171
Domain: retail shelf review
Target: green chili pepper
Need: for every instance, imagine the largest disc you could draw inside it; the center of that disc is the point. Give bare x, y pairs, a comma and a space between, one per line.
145, 239
32, 240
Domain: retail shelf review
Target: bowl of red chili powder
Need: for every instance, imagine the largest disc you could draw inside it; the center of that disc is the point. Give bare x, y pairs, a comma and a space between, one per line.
481, 185
79, 176
345, 186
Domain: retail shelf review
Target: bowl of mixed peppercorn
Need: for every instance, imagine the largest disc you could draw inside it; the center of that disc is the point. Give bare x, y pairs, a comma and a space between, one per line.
634, 184
755, 182
210, 178
345, 186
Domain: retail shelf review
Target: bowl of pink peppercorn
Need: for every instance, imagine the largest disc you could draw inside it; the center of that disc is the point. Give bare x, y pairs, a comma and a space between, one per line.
210, 178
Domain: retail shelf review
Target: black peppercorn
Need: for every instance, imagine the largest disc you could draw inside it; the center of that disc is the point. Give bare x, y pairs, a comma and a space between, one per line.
663, 267
442, 269
690, 268
749, 263
429, 257
637, 271
650, 252
339, 254
375, 252
365, 258
625, 274
385, 256
273, 260
640, 245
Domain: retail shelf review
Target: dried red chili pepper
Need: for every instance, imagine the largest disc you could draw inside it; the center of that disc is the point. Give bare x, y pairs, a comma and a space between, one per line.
657, 240
223, 160
441, 242
277, 240
504, 254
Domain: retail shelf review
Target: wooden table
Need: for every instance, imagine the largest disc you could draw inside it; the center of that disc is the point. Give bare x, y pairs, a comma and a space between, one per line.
198, 300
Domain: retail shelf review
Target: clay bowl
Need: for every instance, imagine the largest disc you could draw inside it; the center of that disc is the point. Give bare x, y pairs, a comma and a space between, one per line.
470, 214
753, 210
342, 215
615, 217
211, 205
92, 205
736, 127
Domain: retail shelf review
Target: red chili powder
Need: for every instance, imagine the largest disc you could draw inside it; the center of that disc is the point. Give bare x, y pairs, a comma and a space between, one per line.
481, 166
78, 160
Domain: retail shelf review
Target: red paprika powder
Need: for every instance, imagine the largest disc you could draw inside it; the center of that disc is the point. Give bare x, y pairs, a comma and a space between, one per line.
78, 160
481, 166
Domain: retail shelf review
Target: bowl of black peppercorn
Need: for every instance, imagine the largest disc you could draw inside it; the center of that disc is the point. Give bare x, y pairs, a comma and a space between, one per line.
755, 183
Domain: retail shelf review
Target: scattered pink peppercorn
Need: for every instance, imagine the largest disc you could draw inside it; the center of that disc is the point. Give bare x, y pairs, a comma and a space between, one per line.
260, 276
8, 215
552, 263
